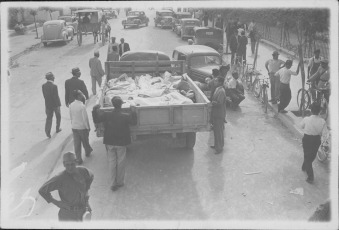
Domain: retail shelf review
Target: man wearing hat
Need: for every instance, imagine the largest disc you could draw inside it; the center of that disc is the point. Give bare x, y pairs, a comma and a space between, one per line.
96, 71
75, 83
313, 65
116, 137
52, 104
272, 66
72, 184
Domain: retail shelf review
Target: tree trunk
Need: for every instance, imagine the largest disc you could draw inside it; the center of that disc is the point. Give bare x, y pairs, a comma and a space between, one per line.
36, 29
256, 53
301, 61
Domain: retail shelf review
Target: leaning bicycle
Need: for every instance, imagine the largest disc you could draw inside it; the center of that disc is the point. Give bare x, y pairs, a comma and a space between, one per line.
304, 99
260, 90
324, 150
250, 72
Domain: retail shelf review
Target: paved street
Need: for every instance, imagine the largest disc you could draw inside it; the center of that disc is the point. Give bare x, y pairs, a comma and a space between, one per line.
162, 183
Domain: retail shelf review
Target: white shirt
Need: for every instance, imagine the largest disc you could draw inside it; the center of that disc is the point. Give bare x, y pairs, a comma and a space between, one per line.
285, 75
313, 125
232, 84
78, 115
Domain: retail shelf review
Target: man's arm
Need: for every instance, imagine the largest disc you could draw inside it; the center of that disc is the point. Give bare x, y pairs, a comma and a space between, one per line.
314, 76
133, 116
101, 71
84, 90
56, 96
219, 99
85, 116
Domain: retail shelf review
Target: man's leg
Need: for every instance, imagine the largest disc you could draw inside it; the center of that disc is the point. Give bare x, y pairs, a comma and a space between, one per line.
94, 91
67, 215
48, 124
84, 135
277, 88
58, 118
272, 81
77, 144
218, 129
121, 165
112, 159
232, 57
99, 80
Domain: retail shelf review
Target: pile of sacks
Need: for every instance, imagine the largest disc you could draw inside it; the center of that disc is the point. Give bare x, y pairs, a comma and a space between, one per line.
146, 90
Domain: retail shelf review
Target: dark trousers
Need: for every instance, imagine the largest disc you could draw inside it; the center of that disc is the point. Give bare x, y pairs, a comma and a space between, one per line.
235, 96
310, 145
49, 113
241, 57
253, 47
218, 130
233, 55
67, 215
285, 96
81, 136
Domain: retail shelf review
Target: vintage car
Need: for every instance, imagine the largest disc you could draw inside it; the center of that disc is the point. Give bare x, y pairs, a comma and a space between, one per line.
135, 18
177, 17
55, 31
164, 18
70, 21
199, 60
109, 14
208, 36
186, 28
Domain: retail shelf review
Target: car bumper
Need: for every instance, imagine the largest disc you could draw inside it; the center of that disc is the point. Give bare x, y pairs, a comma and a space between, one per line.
130, 24
55, 40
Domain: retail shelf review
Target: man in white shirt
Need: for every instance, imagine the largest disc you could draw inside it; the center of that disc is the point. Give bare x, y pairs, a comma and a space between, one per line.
284, 75
313, 127
80, 126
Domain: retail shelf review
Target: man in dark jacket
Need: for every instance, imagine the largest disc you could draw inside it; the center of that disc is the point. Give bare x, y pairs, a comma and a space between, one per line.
52, 104
233, 45
75, 83
123, 47
241, 51
116, 137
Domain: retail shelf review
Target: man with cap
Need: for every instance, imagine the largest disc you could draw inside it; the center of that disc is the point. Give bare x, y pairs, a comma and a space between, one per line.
80, 126
123, 47
321, 78
96, 71
116, 137
72, 185
52, 103
272, 66
313, 65
75, 83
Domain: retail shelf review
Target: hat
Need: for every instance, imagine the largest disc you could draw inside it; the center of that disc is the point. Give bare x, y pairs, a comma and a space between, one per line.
317, 51
96, 53
49, 76
275, 52
75, 70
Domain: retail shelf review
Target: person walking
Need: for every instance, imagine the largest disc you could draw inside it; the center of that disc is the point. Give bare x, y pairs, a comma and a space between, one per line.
272, 66
123, 47
52, 103
75, 83
113, 51
96, 71
233, 45
72, 184
313, 127
252, 35
218, 115
241, 50
80, 126
116, 137
284, 75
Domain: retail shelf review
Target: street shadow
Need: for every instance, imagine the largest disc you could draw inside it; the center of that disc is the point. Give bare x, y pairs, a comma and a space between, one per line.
233, 115
134, 27
55, 44
158, 185
216, 178
80, 50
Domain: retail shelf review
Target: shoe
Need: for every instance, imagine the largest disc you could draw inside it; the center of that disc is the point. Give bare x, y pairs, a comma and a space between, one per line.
212, 146
88, 154
79, 162
48, 135
282, 111
58, 130
114, 188
310, 181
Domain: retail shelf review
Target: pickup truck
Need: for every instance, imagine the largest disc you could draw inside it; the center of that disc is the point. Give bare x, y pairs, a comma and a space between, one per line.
176, 123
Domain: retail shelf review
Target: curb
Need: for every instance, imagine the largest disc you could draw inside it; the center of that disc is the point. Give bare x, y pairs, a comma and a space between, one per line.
27, 50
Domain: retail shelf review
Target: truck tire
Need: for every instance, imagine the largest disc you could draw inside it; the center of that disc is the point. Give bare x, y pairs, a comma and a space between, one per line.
190, 140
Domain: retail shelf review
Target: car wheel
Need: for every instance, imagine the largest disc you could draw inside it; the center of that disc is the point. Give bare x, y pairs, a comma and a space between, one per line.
45, 44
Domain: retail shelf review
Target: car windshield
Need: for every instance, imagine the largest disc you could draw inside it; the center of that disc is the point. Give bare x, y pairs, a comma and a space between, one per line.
200, 61
163, 14
133, 14
67, 19
190, 23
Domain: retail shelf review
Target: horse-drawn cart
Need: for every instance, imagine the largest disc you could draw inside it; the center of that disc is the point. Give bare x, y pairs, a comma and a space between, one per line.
90, 21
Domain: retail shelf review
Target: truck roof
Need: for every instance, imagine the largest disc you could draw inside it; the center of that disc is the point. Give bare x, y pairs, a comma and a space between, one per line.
189, 49
144, 55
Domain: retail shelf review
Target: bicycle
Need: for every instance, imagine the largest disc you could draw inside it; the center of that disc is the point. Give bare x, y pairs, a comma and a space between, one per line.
249, 73
324, 150
320, 98
260, 90
238, 67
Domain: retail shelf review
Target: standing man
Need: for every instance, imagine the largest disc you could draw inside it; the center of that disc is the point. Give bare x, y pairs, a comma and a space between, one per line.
52, 103
212, 83
321, 78
72, 184
241, 51
252, 37
284, 75
116, 137
272, 66
205, 19
123, 47
312, 68
80, 126
75, 83
218, 115
313, 127
233, 45
96, 71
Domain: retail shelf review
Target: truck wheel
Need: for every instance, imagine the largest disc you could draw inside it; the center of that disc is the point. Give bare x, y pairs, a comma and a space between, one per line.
190, 140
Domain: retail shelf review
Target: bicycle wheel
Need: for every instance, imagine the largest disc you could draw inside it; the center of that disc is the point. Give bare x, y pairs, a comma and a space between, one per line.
256, 88
265, 98
307, 99
324, 109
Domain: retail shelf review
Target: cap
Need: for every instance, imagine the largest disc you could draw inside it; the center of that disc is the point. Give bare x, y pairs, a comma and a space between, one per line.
317, 51
275, 53
49, 76
75, 70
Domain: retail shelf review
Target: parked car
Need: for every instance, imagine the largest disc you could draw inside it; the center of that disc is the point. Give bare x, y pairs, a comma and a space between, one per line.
177, 17
186, 28
199, 60
164, 18
70, 21
208, 36
109, 14
135, 18
56, 30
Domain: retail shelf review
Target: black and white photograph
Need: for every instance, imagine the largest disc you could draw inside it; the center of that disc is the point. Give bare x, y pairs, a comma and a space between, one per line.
169, 114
